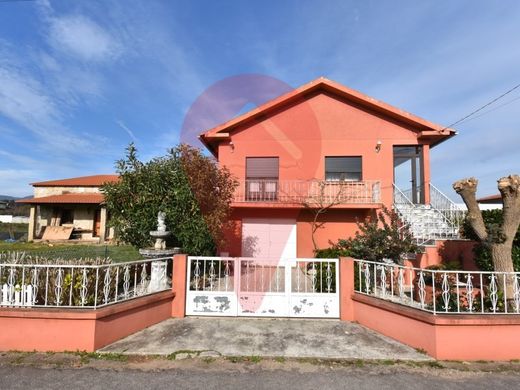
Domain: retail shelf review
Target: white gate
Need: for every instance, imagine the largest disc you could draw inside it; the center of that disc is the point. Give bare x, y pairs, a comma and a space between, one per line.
225, 286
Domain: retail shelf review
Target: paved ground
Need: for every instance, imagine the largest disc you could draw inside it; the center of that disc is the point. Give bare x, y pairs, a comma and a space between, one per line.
255, 376
264, 337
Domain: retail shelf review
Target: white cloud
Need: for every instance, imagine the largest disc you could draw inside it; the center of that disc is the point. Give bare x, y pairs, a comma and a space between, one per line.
122, 125
14, 182
23, 100
80, 37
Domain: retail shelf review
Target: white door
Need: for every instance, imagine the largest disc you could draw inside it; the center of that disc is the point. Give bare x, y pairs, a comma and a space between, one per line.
269, 238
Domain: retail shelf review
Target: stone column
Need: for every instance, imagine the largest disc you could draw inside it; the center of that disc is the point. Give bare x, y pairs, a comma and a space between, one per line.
103, 225
32, 223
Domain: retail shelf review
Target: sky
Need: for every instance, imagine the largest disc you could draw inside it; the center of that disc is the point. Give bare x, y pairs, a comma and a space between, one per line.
80, 79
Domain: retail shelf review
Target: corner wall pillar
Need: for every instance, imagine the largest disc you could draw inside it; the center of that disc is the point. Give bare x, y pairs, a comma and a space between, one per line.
346, 288
180, 264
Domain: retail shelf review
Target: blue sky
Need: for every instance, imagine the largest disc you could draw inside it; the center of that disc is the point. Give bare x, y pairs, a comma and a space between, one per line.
80, 79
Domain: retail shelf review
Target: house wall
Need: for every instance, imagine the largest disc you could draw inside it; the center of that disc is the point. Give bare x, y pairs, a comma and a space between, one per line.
302, 135
339, 223
48, 191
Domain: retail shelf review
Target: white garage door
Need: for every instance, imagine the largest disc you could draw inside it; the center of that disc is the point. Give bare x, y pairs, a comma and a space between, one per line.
269, 238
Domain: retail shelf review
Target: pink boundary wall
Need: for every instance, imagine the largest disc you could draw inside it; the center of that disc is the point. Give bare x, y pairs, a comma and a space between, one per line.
88, 329
83, 330
444, 337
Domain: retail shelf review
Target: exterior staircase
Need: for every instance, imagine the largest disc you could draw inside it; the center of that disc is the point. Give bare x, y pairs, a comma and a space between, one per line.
439, 220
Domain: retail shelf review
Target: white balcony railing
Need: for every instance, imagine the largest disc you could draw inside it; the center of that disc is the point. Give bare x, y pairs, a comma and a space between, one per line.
309, 192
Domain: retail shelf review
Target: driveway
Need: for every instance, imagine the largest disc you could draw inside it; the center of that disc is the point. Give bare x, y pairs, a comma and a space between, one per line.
326, 339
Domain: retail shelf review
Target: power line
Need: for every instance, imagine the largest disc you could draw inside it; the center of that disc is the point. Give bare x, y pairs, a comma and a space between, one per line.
491, 110
482, 107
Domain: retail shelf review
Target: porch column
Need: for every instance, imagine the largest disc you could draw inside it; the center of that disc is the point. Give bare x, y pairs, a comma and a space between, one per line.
32, 223
103, 224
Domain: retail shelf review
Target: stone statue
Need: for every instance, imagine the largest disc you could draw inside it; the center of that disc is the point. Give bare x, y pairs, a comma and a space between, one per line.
161, 226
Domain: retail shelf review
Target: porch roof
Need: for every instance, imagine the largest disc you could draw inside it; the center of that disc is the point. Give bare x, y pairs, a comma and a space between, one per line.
92, 198
490, 199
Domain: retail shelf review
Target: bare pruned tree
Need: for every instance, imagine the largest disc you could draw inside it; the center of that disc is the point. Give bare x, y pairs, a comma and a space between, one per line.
499, 241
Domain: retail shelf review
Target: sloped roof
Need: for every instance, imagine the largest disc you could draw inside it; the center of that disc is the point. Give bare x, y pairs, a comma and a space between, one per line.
83, 181
435, 132
91, 198
490, 199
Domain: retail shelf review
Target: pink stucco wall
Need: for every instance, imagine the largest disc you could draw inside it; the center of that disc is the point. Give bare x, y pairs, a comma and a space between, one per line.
339, 223
322, 125
445, 337
83, 330
443, 251
302, 135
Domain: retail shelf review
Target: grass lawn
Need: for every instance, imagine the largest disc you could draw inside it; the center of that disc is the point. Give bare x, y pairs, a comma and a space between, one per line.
13, 227
67, 251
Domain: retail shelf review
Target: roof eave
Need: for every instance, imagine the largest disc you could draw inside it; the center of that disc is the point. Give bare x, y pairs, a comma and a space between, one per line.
330, 86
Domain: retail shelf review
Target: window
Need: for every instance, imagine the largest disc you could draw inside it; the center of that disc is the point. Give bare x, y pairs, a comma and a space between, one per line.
261, 178
343, 168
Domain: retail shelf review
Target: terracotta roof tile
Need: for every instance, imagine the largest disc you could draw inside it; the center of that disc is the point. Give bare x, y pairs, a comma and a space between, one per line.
490, 199
92, 198
83, 181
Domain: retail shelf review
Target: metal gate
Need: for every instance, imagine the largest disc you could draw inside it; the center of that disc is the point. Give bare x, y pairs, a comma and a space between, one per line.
225, 286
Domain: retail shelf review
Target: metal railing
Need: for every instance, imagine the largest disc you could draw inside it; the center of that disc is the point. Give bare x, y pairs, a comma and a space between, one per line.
260, 275
440, 291
449, 209
311, 192
438, 220
81, 286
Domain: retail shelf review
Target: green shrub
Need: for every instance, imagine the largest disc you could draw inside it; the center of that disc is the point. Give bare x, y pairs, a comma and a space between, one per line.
382, 237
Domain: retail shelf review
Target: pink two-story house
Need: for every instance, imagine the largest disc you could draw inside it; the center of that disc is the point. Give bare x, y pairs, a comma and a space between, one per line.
325, 146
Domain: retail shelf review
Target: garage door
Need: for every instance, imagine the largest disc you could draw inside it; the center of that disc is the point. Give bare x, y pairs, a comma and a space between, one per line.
269, 238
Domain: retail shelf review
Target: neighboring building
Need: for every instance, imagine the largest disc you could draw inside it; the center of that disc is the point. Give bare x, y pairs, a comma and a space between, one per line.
324, 144
75, 202
3, 204
490, 202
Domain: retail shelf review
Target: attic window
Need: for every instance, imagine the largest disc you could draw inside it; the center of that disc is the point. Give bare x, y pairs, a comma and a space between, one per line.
343, 168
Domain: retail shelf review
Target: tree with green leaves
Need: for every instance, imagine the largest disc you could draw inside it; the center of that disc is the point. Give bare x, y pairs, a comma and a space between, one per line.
190, 188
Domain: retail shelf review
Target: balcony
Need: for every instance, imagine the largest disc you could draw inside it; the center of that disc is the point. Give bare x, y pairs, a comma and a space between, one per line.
308, 193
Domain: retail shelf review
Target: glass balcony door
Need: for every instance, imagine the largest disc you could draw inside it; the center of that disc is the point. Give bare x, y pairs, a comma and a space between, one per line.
409, 172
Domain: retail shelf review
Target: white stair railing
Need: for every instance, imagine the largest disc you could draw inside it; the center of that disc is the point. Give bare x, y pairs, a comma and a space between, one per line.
452, 213
438, 220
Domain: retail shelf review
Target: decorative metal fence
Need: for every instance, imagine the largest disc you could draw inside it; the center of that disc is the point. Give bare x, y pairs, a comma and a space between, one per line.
81, 286
440, 291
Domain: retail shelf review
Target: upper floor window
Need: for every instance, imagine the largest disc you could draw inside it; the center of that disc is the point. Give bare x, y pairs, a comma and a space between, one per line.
262, 178
343, 168
262, 168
